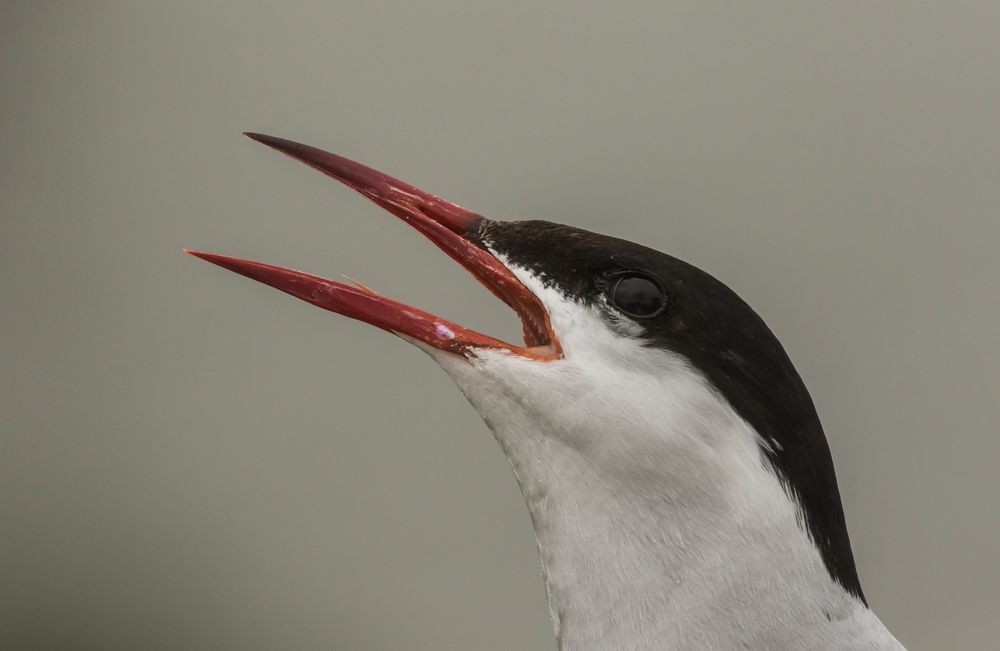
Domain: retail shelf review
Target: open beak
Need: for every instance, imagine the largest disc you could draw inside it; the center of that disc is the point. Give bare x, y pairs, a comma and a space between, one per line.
449, 226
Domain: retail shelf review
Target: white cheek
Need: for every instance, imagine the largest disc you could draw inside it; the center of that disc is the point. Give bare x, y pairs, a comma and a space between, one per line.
613, 399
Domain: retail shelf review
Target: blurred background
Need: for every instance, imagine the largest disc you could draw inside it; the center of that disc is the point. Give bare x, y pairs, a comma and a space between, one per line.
190, 460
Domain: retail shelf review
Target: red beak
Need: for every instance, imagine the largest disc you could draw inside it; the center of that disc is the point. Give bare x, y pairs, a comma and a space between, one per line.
446, 224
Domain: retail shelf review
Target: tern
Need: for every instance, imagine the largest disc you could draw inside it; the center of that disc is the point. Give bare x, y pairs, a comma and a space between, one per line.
677, 476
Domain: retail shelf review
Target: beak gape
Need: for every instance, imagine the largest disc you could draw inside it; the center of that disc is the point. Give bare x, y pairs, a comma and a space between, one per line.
448, 225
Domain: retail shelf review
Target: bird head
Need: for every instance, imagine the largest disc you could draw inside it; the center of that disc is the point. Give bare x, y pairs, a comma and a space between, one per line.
642, 368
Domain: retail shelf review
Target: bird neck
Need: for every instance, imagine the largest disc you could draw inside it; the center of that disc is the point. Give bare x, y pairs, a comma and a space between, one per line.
703, 552
660, 523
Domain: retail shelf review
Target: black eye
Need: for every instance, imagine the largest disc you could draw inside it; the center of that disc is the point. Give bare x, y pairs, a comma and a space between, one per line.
637, 295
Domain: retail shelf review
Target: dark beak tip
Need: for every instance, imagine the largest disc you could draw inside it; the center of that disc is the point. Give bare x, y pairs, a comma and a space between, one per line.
281, 144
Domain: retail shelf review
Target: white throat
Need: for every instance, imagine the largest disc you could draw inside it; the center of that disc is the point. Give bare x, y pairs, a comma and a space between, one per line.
659, 524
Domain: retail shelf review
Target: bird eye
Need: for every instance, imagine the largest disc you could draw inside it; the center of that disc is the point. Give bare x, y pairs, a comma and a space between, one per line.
637, 295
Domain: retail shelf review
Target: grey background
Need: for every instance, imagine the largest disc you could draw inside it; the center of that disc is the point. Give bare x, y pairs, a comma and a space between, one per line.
190, 460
